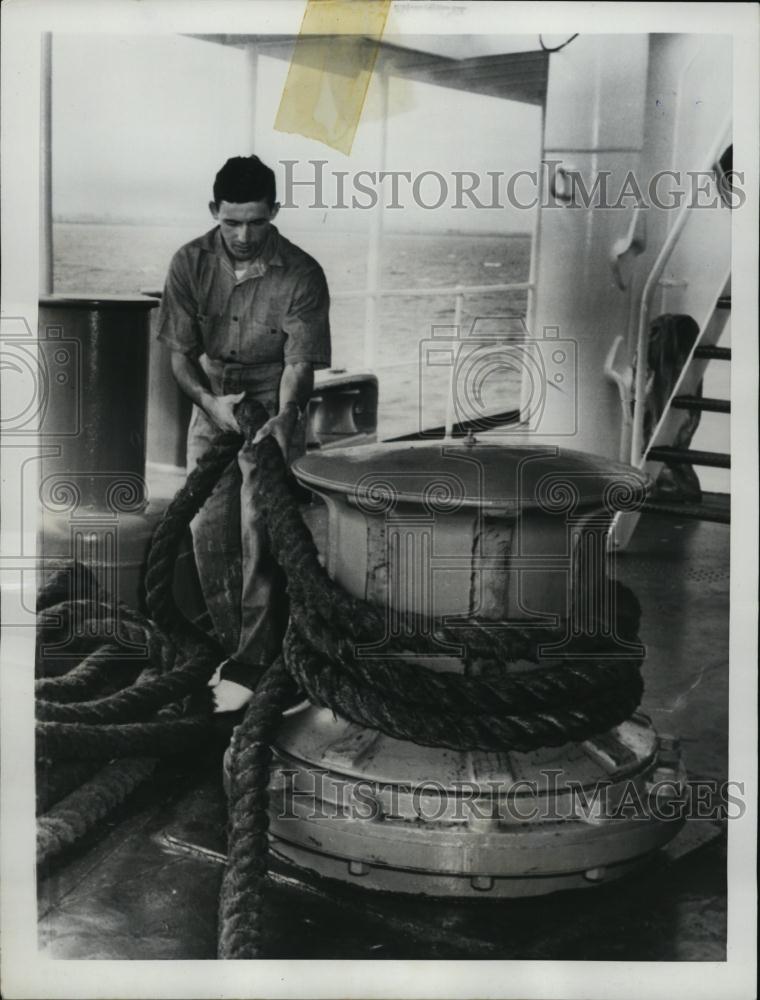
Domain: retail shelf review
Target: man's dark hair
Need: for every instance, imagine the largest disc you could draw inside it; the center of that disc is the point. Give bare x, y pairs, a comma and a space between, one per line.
243, 179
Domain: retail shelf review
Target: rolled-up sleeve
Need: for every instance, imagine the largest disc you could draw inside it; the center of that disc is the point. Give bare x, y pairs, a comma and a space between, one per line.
307, 321
177, 317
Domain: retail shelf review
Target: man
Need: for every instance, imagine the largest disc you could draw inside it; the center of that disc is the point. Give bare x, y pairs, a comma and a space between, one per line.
243, 310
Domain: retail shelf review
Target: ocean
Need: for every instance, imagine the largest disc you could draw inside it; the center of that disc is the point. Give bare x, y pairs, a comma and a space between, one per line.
126, 259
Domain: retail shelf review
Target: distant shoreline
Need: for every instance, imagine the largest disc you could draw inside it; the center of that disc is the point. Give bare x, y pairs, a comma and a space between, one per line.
181, 224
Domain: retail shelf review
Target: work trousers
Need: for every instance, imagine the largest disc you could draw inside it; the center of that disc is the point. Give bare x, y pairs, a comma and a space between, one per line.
243, 587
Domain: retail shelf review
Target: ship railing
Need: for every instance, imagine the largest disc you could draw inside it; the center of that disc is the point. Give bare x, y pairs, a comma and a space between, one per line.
459, 293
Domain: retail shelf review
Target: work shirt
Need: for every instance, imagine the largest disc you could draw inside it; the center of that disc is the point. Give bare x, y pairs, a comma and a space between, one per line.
275, 313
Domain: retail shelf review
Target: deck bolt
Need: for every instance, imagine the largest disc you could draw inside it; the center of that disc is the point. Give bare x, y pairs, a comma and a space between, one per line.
483, 883
664, 782
595, 874
668, 750
664, 774
668, 742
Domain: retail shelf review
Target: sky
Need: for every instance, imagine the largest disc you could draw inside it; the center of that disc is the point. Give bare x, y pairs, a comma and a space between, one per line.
142, 123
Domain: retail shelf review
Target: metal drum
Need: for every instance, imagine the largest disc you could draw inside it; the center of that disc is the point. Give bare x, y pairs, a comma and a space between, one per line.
93, 365
458, 530
94, 356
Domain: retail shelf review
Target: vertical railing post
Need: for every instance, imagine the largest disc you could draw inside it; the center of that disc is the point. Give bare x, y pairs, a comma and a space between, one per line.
374, 272
374, 249
530, 305
252, 66
46, 158
451, 395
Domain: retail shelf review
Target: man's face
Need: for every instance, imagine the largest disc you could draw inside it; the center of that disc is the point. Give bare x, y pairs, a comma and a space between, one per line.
244, 226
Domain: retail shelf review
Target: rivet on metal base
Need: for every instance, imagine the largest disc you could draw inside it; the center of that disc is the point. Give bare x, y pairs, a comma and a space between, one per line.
595, 874
483, 883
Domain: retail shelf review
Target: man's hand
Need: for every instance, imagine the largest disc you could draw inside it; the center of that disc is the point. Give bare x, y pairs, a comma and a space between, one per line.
280, 427
220, 410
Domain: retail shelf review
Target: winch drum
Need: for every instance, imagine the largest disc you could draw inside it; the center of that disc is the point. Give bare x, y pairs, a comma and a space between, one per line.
496, 532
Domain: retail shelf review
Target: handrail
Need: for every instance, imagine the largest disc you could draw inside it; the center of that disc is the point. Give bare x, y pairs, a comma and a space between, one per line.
623, 382
429, 291
416, 292
638, 447
432, 291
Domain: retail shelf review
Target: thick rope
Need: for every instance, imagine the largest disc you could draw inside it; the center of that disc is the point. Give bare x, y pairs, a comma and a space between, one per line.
557, 703
88, 677
94, 702
88, 714
112, 705
76, 814
241, 923
55, 781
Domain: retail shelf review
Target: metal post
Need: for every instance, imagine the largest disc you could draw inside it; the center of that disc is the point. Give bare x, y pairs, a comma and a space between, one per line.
535, 246
46, 163
449, 426
535, 251
374, 249
252, 64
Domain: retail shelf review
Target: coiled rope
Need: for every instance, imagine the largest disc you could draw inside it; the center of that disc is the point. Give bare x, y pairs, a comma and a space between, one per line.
160, 711
112, 705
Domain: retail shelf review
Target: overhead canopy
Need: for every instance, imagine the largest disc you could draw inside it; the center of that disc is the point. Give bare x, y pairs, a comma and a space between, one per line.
464, 62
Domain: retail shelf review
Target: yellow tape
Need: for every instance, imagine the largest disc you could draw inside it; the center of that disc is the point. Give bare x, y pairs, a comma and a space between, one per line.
328, 77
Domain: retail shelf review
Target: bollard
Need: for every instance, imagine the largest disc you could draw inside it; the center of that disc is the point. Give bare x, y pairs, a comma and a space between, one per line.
460, 531
93, 363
